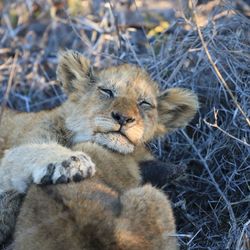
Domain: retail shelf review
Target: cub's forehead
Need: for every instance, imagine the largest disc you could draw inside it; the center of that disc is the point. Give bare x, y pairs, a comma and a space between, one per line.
128, 79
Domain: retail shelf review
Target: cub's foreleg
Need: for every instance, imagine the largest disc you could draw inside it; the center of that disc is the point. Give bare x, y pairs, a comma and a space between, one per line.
146, 221
40, 164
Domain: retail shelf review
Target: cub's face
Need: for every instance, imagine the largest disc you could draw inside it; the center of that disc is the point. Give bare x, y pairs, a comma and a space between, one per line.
119, 107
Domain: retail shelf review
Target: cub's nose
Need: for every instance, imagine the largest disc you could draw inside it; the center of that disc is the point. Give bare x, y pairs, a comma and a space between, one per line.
122, 119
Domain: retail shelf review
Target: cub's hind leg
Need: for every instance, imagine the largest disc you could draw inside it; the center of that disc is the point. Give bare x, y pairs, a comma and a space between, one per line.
146, 221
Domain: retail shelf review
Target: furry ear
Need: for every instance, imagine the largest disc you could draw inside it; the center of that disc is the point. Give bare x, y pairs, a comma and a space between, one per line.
74, 71
176, 107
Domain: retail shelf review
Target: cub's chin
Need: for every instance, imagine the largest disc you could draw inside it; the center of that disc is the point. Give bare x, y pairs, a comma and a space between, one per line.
114, 141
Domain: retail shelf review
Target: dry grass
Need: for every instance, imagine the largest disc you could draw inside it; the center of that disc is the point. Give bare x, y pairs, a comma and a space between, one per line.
212, 200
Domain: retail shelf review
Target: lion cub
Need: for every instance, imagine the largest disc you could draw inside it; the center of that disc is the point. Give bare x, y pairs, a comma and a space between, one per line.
108, 117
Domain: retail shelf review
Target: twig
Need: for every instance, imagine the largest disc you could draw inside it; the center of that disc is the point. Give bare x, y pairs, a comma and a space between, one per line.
146, 37
246, 225
6, 94
133, 51
193, 237
218, 74
216, 185
226, 133
115, 23
8, 23
176, 70
215, 125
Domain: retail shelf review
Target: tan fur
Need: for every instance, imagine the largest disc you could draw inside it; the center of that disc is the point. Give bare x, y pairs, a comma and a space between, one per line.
109, 115
97, 213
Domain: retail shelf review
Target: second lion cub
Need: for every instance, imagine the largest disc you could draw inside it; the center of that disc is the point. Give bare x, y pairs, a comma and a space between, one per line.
110, 114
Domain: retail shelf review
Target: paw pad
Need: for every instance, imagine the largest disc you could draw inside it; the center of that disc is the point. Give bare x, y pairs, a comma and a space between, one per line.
76, 168
47, 178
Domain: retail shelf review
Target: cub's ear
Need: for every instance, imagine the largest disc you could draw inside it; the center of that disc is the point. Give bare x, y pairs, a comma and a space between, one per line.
74, 71
176, 107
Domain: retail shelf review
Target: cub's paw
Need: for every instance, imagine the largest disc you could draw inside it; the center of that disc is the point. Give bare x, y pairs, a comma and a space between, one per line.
76, 168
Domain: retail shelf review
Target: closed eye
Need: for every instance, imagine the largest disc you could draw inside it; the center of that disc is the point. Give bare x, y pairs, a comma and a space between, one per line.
146, 105
107, 92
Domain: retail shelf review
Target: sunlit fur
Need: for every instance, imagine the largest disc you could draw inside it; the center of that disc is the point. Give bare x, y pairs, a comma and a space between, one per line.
140, 217
98, 125
130, 86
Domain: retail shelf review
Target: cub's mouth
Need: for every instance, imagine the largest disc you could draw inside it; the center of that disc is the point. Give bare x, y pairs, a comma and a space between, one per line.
115, 141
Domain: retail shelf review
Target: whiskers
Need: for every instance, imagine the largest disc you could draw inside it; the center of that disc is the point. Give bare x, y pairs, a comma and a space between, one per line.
105, 124
105, 131
81, 128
